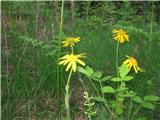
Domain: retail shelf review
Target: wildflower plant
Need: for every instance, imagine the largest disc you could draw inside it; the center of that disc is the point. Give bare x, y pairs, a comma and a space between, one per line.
71, 61
120, 36
118, 99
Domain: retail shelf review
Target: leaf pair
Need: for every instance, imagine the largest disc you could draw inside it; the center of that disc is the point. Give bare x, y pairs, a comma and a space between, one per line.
147, 101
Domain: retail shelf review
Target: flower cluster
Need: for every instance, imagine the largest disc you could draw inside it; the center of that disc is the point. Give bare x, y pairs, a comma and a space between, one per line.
70, 41
121, 36
72, 59
89, 105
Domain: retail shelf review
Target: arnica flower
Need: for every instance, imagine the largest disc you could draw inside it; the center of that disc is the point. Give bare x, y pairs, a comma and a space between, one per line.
72, 61
70, 41
132, 62
120, 35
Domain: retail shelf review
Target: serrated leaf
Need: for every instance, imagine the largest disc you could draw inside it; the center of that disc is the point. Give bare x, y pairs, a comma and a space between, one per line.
123, 71
116, 79
137, 99
148, 105
127, 78
105, 78
153, 98
99, 99
107, 89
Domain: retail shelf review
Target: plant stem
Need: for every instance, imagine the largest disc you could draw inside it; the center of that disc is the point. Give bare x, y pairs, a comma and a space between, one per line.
94, 86
106, 102
72, 49
59, 53
101, 88
117, 56
130, 108
134, 114
67, 95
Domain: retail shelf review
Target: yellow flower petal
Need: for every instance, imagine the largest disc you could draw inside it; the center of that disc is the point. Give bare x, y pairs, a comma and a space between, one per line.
80, 62
131, 62
120, 35
68, 66
71, 60
70, 41
74, 66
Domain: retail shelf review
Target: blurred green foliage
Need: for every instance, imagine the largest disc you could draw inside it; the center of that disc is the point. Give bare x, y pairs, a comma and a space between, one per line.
29, 69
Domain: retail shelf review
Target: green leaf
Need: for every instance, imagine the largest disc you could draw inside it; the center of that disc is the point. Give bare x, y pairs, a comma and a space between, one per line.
95, 79
137, 99
127, 78
107, 89
89, 71
105, 78
122, 89
119, 110
123, 71
81, 70
148, 105
130, 94
99, 99
116, 79
97, 74
153, 98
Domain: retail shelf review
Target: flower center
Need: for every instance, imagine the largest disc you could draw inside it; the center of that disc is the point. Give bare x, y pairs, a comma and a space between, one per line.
133, 61
122, 33
73, 58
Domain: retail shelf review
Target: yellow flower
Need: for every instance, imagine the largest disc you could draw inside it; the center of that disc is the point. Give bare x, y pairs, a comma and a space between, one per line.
72, 60
70, 41
120, 35
132, 62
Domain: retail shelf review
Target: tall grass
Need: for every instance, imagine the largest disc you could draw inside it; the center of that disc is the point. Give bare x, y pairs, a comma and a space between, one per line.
29, 91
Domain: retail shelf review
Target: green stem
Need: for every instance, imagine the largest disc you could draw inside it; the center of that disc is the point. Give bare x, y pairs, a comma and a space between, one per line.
117, 56
94, 86
106, 102
80, 79
112, 114
67, 95
72, 49
130, 108
59, 53
134, 114
101, 88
